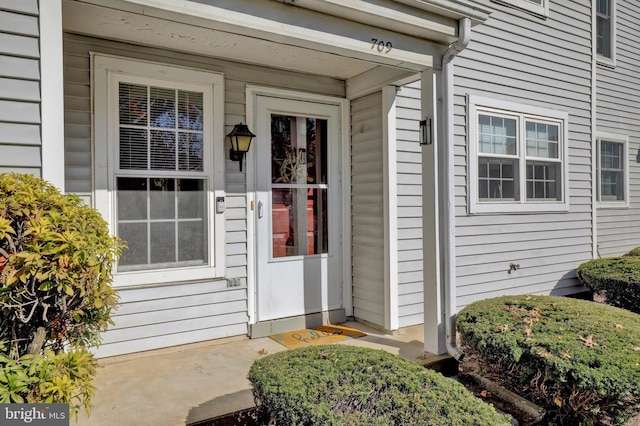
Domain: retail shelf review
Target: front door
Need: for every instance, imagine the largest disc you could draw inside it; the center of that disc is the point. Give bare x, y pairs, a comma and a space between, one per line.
298, 196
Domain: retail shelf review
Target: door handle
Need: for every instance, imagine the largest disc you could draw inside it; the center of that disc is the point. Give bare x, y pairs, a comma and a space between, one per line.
260, 208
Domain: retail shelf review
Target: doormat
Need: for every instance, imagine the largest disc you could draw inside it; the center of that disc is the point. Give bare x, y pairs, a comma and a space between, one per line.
331, 333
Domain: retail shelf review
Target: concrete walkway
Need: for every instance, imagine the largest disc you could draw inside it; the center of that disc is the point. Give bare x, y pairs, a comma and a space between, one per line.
196, 382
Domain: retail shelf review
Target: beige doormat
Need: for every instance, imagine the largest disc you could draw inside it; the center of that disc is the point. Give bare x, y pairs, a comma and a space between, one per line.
331, 333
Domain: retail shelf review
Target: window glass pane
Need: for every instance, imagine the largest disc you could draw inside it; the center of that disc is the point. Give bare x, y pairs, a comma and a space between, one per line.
542, 140
135, 235
132, 198
133, 149
603, 6
190, 151
543, 181
162, 107
192, 241
191, 199
190, 106
496, 135
497, 179
132, 104
603, 28
163, 242
612, 186
163, 150
162, 198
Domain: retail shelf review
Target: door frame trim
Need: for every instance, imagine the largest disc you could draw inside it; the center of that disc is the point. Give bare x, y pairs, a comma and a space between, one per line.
345, 169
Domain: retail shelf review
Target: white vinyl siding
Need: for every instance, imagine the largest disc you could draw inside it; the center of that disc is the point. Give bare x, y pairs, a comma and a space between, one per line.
367, 205
617, 113
175, 313
545, 64
409, 181
20, 88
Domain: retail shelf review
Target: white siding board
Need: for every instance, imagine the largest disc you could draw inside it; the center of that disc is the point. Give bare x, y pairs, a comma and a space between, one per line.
24, 6
22, 46
19, 24
367, 209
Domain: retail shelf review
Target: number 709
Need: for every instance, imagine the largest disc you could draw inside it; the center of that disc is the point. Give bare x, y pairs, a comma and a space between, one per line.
381, 45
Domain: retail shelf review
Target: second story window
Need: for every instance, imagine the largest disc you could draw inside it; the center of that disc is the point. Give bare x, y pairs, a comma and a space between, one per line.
605, 30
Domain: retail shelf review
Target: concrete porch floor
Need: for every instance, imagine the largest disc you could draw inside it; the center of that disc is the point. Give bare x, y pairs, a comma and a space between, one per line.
191, 383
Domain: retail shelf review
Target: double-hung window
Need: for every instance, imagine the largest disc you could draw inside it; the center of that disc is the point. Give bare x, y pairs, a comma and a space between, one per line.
612, 166
158, 169
517, 157
605, 31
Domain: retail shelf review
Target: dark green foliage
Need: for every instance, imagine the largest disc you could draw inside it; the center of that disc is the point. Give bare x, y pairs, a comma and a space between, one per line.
634, 252
347, 385
56, 259
616, 277
579, 359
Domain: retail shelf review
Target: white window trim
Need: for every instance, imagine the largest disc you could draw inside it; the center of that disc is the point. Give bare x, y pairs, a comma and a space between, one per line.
624, 140
104, 69
476, 103
527, 6
604, 60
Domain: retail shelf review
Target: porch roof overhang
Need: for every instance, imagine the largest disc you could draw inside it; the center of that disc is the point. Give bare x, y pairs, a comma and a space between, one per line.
332, 38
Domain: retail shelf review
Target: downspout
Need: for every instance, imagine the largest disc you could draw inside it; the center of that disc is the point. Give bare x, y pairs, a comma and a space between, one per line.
594, 139
449, 216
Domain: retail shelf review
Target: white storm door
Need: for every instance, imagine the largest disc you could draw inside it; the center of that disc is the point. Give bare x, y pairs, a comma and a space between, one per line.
298, 203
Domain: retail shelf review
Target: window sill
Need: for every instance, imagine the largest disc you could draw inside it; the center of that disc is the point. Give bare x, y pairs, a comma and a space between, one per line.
606, 62
122, 280
518, 208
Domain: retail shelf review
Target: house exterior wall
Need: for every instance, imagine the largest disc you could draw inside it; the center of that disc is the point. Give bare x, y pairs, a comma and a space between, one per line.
367, 209
173, 314
618, 112
20, 133
518, 57
409, 182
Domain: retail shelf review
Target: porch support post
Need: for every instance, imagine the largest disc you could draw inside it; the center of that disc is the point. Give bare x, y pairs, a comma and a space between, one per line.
432, 108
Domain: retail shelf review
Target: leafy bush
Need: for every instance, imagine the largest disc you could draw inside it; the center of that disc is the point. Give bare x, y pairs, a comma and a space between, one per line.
577, 358
347, 385
634, 252
616, 277
56, 258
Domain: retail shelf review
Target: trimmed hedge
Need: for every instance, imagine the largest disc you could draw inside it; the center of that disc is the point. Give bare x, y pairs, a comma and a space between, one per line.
616, 277
579, 359
348, 385
634, 252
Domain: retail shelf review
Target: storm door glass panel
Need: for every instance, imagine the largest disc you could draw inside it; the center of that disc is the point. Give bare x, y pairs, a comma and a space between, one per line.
163, 222
299, 186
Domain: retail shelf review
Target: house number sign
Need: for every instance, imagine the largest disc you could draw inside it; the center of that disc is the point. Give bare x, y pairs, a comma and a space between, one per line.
381, 45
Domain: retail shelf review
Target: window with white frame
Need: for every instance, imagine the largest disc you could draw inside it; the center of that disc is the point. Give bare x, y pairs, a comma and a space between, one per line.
158, 158
605, 31
517, 157
536, 7
612, 165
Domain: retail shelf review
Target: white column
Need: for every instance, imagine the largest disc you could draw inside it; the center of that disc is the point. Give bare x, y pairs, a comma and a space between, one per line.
434, 328
51, 92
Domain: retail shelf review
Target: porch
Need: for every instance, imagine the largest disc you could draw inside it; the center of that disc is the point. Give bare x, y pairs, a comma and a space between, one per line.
192, 383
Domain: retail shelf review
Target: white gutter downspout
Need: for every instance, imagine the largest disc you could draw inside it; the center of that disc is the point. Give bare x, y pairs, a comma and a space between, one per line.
594, 140
449, 222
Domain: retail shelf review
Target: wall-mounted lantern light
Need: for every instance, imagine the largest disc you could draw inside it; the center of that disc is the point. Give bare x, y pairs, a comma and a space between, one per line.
426, 132
240, 138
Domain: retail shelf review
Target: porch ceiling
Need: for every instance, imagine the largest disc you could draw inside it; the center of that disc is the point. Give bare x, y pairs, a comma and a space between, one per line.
308, 37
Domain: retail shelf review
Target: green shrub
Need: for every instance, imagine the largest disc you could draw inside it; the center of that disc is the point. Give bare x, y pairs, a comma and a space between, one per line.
56, 258
347, 385
577, 358
634, 252
616, 277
